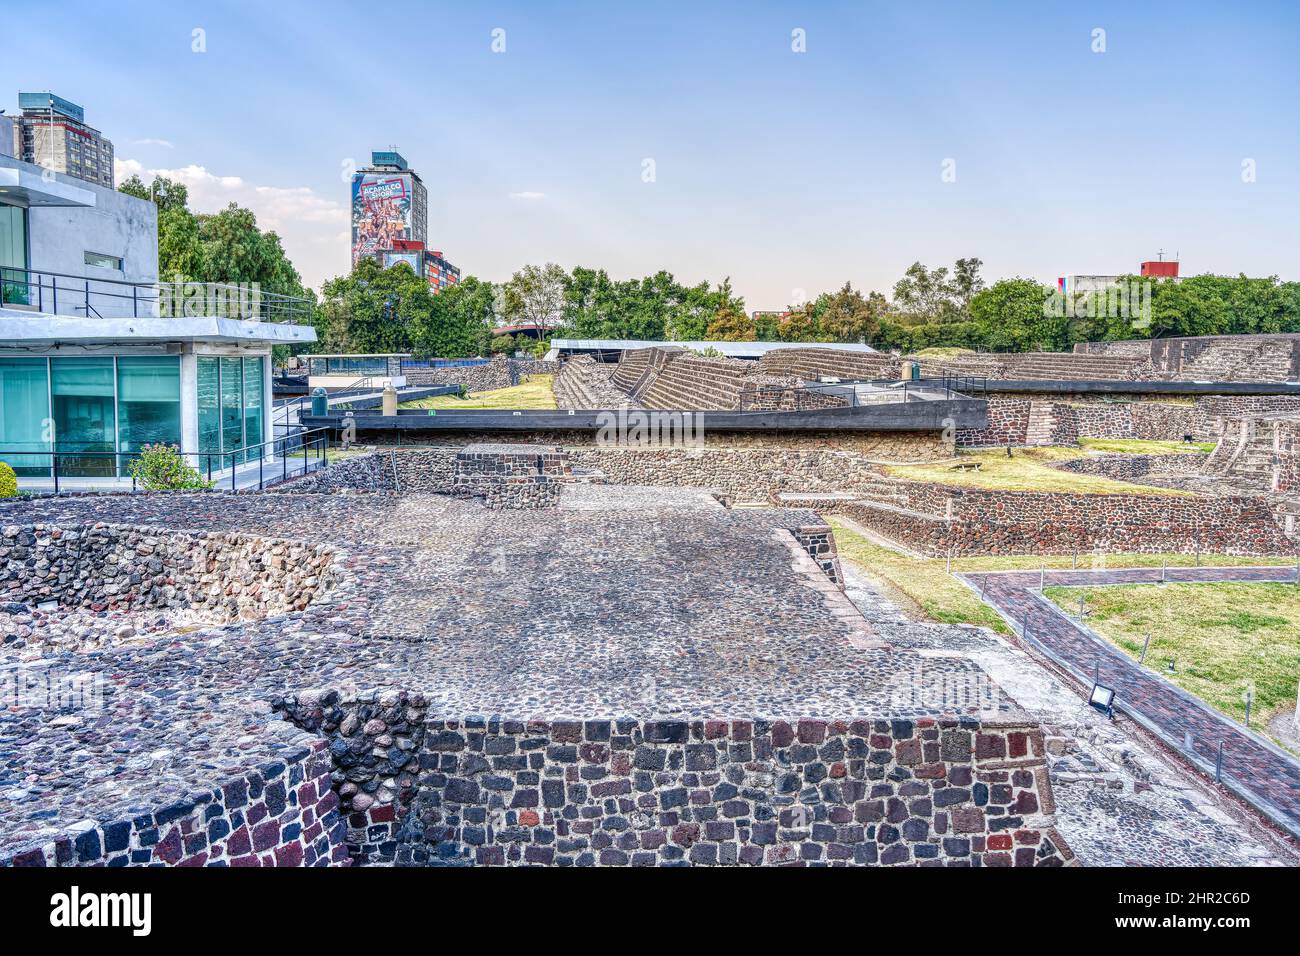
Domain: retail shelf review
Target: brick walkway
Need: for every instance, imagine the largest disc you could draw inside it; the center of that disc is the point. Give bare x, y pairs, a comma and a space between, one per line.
1270, 777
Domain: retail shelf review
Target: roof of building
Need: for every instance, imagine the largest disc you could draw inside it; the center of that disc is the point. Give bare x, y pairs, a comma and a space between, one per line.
23, 328
729, 349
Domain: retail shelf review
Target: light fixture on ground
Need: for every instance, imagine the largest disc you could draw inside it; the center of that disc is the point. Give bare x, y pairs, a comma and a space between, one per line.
1103, 699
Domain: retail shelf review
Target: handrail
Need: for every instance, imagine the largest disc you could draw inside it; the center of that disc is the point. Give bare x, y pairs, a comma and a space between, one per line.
952, 387
315, 438
144, 297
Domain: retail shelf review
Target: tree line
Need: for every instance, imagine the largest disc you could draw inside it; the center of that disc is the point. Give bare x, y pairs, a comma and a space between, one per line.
393, 310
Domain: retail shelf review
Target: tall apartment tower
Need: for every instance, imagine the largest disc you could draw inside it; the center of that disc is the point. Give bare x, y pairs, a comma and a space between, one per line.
390, 205
52, 132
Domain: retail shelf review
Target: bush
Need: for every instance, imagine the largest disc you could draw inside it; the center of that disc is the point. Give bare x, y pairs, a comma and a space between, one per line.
8, 482
160, 467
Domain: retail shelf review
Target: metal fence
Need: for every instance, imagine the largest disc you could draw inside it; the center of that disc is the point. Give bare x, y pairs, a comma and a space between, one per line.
290, 455
853, 394
58, 293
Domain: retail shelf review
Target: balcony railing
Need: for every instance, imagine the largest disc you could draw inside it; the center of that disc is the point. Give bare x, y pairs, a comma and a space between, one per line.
59, 293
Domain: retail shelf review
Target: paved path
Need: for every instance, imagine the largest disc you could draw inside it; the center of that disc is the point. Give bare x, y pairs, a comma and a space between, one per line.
1270, 776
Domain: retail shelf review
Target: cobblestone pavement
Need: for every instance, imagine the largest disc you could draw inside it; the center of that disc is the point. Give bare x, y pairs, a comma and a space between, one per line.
1118, 803
584, 612
1254, 764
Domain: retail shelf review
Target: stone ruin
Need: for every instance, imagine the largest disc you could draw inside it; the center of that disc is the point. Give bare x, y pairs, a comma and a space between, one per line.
631, 676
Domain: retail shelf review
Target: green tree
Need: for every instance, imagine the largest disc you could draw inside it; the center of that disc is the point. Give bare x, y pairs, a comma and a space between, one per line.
374, 310
848, 316
800, 324
459, 321
180, 250
534, 296
1011, 316
730, 325
235, 250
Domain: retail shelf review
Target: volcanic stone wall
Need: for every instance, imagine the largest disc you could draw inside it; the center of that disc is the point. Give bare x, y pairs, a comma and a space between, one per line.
225, 576
1221, 358
510, 476
1131, 467
500, 372
1008, 424
285, 813
811, 364
938, 519
372, 472
1078, 416
692, 382
731, 792
1214, 411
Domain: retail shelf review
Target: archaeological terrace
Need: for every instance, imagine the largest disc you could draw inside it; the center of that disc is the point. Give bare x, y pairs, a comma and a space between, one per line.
495, 639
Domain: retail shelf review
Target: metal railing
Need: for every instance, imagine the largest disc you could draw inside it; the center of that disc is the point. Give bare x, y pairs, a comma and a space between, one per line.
811, 396
443, 363
60, 293
309, 444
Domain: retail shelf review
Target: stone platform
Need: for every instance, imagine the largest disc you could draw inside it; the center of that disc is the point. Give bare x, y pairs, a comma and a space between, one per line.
587, 684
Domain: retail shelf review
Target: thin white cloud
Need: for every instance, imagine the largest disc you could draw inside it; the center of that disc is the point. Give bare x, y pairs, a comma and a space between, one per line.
308, 224
168, 144
528, 196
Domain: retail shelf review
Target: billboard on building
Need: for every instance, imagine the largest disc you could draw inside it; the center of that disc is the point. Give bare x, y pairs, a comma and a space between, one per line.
381, 211
412, 259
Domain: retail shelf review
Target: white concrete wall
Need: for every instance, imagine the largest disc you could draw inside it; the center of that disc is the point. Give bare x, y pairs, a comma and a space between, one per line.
117, 225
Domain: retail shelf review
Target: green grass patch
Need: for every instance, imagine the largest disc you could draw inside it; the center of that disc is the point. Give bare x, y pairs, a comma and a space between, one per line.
1140, 446
939, 595
534, 392
1028, 469
943, 598
1222, 637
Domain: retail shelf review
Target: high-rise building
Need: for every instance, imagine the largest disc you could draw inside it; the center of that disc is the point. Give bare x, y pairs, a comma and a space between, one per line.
52, 132
389, 203
390, 220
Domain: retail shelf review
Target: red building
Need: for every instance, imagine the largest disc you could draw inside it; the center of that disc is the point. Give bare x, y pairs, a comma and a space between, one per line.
1159, 269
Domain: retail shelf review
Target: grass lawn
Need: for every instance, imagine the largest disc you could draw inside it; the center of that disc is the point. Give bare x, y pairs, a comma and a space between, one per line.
947, 351
1028, 469
1222, 637
534, 392
339, 454
1140, 446
943, 598
936, 593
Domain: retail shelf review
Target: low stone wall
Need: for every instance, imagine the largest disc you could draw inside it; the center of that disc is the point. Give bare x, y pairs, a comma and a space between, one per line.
1152, 421
508, 476
500, 372
1008, 424
811, 364
1131, 467
939, 519
1074, 417
370, 472
418, 789
218, 575
731, 792
745, 473
283, 814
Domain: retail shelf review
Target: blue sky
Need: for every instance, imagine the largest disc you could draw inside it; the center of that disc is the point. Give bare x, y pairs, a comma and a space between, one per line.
787, 171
